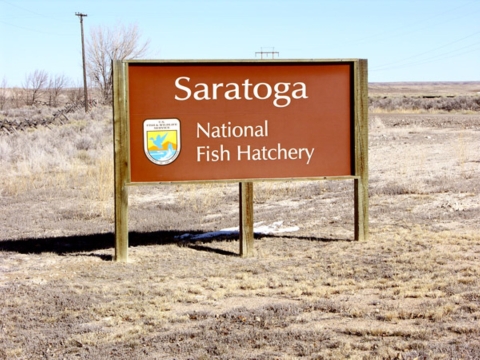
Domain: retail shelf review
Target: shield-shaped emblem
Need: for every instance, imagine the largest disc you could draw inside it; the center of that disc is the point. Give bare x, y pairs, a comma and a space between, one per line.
161, 140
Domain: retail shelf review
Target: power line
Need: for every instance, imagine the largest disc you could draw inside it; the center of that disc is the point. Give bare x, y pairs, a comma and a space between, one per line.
430, 51
428, 60
35, 31
31, 11
412, 28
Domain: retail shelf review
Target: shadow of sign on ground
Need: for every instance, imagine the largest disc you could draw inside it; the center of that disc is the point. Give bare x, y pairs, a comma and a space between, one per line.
65, 245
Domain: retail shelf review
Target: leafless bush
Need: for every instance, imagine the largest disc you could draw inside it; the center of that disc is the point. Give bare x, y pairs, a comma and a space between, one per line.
5, 150
16, 98
3, 93
34, 85
75, 92
37, 88
56, 86
117, 43
78, 134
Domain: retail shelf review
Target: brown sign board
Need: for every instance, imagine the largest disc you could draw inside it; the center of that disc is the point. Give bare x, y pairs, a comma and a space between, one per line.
242, 120
207, 121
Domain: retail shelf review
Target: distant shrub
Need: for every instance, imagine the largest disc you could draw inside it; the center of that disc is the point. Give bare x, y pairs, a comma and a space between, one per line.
5, 149
85, 143
448, 104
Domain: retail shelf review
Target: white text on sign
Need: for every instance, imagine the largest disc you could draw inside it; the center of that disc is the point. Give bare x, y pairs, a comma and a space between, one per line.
211, 153
231, 91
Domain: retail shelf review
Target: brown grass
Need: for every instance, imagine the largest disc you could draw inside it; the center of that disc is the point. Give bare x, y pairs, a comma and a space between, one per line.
411, 292
407, 291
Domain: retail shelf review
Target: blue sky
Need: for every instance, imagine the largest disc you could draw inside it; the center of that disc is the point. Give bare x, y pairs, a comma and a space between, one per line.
403, 40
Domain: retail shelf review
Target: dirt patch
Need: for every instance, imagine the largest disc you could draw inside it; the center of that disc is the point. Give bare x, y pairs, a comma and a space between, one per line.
411, 291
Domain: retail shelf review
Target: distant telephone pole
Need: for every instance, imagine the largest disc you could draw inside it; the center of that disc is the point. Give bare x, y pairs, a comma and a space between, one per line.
80, 15
267, 53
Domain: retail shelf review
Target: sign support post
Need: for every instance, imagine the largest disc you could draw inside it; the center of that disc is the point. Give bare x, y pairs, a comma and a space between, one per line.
120, 117
361, 150
246, 219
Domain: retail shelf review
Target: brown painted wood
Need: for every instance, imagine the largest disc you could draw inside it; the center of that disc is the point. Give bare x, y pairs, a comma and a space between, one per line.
321, 117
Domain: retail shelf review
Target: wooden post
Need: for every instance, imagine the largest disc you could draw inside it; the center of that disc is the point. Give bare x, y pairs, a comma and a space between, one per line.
361, 150
246, 219
121, 160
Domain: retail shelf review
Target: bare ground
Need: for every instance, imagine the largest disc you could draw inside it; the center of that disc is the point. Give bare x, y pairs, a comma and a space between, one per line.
411, 292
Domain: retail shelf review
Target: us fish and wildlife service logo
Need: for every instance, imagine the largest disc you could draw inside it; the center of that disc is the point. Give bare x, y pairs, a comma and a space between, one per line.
161, 140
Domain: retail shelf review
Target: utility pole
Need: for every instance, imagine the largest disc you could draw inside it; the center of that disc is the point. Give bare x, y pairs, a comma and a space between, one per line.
80, 15
271, 53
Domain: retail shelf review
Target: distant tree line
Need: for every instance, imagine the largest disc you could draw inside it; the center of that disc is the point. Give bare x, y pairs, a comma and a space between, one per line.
104, 45
419, 103
39, 87
122, 42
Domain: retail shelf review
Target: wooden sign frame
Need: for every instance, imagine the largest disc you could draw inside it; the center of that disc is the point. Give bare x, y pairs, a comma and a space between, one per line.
123, 143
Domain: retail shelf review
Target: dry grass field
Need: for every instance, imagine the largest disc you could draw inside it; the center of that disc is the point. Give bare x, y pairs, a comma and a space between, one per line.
411, 292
